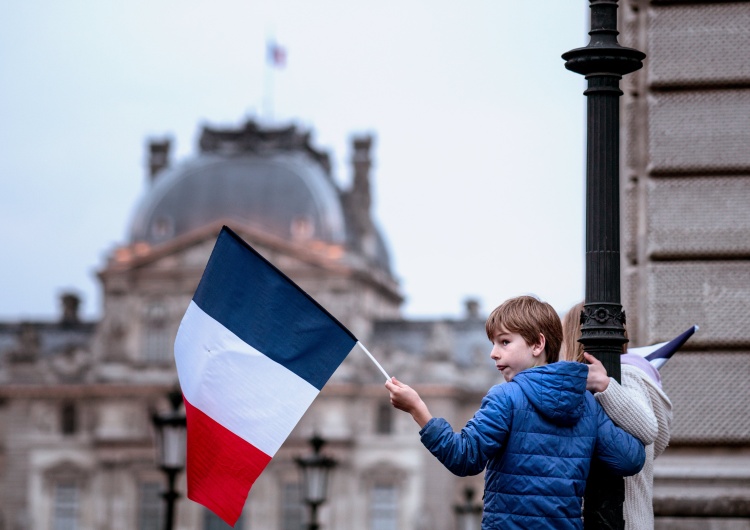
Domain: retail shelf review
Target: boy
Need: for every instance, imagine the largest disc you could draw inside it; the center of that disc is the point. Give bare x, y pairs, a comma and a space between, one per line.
536, 436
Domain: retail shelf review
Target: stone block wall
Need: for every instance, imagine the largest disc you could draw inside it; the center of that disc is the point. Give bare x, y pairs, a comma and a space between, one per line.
685, 189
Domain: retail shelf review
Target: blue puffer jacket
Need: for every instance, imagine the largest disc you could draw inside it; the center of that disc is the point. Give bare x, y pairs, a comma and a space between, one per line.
536, 436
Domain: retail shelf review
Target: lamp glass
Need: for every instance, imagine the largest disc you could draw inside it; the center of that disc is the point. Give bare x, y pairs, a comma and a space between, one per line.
469, 520
172, 446
468, 514
315, 479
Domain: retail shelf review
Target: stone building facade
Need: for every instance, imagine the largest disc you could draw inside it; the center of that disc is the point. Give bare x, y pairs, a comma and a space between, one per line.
76, 443
76, 398
685, 174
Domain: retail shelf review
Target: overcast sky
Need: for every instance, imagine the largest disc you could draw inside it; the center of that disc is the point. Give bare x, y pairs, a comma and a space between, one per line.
479, 156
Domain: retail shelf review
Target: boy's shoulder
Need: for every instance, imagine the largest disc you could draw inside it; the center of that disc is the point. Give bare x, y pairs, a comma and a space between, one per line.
559, 377
509, 393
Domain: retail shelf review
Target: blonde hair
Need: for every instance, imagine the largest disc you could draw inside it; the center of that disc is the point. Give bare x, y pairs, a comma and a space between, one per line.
529, 317
572, 350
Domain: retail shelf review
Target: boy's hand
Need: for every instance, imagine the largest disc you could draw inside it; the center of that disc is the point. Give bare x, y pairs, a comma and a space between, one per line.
405, 398
598, 380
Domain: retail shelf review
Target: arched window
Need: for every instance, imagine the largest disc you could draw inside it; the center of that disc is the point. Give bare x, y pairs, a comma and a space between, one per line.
65, 505
65, 485
384, 484
384, 506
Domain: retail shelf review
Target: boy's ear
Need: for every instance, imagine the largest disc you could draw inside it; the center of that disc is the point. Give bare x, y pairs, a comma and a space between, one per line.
538, 348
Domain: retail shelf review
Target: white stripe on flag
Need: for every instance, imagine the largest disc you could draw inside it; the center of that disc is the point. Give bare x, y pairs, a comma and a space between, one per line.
236, 385
658, 363
644, 351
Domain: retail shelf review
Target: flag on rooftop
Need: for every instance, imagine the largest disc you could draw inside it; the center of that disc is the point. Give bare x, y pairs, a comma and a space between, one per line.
252, 352
276, 54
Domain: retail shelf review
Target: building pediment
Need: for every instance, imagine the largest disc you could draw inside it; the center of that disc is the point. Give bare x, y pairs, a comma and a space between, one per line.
192, 250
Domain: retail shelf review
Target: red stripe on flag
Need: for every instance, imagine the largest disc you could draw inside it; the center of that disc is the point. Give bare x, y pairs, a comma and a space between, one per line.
221, 466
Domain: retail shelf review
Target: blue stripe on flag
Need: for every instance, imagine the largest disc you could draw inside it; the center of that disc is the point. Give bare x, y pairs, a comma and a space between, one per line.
669, 349
262, 306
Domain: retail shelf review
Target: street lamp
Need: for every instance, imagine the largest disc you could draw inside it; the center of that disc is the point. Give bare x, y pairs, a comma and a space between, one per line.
315, 471
468, 514
603, 62
171, 433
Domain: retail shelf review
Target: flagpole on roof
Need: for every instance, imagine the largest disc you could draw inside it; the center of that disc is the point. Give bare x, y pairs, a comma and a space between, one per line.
275, 57
387, 377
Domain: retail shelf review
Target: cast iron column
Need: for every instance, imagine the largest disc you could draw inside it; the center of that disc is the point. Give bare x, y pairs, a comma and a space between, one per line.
603, 61
170, 498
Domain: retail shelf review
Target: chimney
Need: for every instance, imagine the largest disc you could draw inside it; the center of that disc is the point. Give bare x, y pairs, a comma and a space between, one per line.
158, 157
357, 198
472, 308
70, 303
362, 164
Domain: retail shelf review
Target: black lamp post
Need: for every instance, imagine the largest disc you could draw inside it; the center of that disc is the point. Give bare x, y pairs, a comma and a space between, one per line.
171, 433
315, 471
468, 514
603, 62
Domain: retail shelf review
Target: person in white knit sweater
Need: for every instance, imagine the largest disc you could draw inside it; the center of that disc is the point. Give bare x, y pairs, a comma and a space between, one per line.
638, 405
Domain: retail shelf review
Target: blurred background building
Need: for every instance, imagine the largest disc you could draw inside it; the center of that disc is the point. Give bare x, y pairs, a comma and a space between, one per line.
76, 397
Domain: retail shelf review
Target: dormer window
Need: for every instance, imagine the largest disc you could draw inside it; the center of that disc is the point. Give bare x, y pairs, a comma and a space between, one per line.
302, 229
162, 228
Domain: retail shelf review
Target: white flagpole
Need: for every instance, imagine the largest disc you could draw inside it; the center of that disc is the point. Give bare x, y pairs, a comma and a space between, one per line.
387, 377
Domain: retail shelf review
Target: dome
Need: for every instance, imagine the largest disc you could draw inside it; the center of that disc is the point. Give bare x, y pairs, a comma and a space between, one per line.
271, 179
285, 194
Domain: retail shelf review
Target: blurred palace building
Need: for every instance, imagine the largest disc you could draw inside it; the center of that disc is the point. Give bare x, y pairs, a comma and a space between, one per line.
76, 398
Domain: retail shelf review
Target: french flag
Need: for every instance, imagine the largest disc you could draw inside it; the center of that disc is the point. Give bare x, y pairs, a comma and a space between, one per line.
276, 54
650, 359
252, 352
659, 354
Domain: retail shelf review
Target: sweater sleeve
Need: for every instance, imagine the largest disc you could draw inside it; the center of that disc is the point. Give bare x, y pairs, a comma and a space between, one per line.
629, 405
662, 407
467, 452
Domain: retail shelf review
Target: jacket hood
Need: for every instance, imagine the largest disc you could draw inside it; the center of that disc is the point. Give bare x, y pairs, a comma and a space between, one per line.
556, 390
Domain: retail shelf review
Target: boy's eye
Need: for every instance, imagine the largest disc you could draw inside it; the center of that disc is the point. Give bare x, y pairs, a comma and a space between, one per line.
505, 342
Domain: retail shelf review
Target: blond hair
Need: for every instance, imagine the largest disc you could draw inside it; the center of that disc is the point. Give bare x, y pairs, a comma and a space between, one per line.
572, 350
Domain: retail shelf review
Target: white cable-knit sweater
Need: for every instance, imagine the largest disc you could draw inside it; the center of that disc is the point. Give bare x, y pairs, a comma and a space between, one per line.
641, 408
